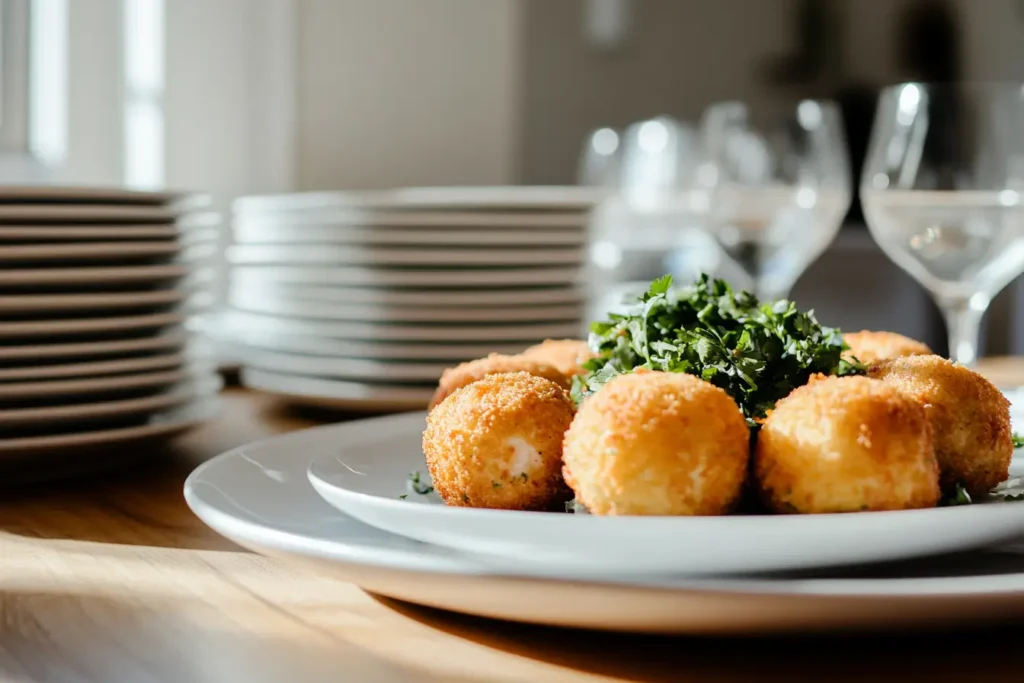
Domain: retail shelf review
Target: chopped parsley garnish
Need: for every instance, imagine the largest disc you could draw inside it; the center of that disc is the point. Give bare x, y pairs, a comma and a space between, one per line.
419, 486
575, 507
403, 496
1018, 440
959, 496
496, 484
758, 353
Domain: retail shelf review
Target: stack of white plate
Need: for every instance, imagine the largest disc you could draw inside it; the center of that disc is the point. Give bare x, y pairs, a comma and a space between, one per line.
360, 301
97, 291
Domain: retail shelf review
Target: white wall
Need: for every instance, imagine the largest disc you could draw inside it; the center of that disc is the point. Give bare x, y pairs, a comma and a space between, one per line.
406, 92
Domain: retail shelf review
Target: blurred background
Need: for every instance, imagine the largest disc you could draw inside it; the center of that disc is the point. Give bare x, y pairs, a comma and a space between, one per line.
240, 97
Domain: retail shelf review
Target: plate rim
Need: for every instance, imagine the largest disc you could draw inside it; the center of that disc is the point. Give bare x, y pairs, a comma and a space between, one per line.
197, 413
405, 332
569, 274
341, 552
189, 388
374, 255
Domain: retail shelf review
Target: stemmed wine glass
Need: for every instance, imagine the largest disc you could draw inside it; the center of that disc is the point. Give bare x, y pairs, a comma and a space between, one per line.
942, 194
777, 186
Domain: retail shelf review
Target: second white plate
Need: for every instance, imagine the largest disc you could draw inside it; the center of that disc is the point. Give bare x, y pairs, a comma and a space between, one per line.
260, 302
335, 394
367, 473
348, 255
369, 331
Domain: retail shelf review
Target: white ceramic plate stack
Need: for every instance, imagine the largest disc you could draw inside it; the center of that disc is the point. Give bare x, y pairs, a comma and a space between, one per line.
360, 301
98, 290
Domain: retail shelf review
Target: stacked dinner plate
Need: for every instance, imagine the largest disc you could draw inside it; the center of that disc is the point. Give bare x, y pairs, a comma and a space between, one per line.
97, 291
360, 301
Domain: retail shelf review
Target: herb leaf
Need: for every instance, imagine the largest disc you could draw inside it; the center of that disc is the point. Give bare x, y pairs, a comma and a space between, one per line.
959, 496
1018, 440
757, 353
419, 486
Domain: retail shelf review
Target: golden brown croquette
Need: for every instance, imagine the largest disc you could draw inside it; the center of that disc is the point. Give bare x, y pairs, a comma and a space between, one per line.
871, 347
465, 373
567, 355
497, 443
655, 443
846, 444
970, 418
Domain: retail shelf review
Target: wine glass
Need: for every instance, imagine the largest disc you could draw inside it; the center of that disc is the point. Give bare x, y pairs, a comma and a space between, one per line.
777, 185
600, 160
942, 194
645, 229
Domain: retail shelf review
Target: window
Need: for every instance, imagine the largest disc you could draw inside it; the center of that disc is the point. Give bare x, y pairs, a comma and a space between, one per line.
14, 76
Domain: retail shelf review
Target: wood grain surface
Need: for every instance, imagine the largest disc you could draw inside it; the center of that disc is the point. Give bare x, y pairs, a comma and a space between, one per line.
111, 578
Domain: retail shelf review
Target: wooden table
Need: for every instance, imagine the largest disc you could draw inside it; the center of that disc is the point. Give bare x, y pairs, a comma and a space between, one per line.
112, 579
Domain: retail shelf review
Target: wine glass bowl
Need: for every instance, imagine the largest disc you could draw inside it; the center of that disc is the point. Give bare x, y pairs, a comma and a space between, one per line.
943, 195
778, 186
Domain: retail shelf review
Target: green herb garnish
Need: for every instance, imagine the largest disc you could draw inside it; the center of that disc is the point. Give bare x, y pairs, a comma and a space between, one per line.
524, 476
575, 507
418, 486
403, 496
496, 484
1018, 440
758, 353
959, 496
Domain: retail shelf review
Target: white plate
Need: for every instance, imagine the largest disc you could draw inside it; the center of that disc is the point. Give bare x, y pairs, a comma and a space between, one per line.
84, 193
258, 497
186, 392
335, 394
76, 233
514, 198
367, 472
342, 368
36, 303
73, 302
441, 298
379, 277
172, 338
260, 302
100, 275
160, 425
357, 236
345, 348
254, 322
94, 385
491, 228
182, 229
118, 366
88, 251
332, 254
86, 213
63, 328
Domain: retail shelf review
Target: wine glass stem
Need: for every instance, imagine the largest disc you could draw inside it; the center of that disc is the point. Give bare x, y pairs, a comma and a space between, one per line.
963, 327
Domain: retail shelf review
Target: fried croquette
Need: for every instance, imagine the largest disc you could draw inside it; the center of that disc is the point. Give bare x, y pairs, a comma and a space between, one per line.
568, 355
846, 444
497, 443
656, 443
871, 347
465, 373
970, 418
